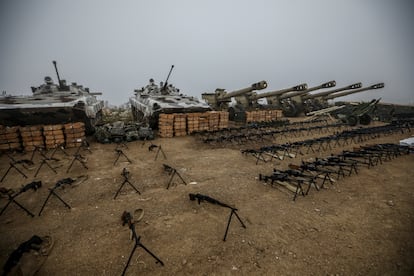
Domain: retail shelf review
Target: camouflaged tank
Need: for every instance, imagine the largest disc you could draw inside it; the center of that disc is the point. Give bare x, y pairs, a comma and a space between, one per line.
152, 100
52, 103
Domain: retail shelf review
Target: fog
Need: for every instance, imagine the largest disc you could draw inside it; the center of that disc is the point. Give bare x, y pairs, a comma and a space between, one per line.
115, 47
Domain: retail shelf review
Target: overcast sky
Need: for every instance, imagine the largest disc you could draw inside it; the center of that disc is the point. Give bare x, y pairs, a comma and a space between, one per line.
115, 46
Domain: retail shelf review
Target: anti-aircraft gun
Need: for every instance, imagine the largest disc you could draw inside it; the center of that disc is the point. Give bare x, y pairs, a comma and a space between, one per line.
313, 102
220, 99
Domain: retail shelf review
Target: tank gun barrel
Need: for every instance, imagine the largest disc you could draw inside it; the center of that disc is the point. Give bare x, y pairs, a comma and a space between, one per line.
326, 93
255, 86
166, 81
300, 87
372, 87
57, 73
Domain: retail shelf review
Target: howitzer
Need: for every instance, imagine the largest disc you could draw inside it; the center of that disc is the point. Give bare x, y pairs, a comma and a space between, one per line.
342, 94
313, 102
220, 99
211, 200
357, 114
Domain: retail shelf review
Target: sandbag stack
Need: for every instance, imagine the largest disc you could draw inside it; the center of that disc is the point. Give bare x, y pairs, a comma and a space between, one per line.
9, 138
166, 125
32, 137
180, 124
53, 136
74, 134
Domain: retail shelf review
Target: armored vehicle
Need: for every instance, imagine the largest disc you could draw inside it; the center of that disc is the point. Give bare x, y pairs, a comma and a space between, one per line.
52, 104
152, 100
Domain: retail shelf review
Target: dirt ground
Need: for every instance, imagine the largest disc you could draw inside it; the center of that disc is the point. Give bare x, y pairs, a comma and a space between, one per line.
361, 225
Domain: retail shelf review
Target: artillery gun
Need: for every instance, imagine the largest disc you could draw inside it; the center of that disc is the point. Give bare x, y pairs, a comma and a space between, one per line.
313, 102
372, 87
357, 114
52, 104
152, 100
220, 99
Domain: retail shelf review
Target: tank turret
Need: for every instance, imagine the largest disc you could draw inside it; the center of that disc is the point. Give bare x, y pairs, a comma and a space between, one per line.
372, 87
152, 100
220, 99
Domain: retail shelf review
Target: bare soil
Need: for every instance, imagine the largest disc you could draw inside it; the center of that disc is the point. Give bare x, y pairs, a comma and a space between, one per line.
361, 225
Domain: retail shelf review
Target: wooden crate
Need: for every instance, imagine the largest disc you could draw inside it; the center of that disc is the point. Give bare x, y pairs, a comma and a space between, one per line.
32, 137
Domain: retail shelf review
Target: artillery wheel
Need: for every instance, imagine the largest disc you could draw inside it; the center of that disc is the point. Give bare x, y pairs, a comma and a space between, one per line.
290, 110
352, 120
365, 119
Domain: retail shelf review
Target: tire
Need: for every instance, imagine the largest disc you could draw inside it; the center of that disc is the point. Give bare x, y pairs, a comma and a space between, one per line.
365, 119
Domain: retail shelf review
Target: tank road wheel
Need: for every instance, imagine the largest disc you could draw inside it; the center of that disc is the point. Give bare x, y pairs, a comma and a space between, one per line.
352, 120
365, 119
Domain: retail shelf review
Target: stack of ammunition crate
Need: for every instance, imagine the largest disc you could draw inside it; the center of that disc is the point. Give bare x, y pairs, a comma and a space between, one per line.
32, 137
53, 136
224, 120
9, 138
263, 115
204, 122
192, 122
166, 125
180, 124
213, 121
74, 134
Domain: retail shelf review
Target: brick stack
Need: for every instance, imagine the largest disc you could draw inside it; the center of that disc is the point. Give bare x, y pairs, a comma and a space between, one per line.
224, 120
180, 124
53, 136
74, 134
32, 136
192, 122
9, 138
166, 125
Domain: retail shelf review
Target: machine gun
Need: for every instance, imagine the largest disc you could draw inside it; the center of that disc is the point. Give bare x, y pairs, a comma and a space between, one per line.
127, 219
61, 183
12, 197
200, 198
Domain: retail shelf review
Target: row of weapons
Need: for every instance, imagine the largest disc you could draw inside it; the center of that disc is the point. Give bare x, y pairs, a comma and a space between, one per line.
297, 177
280, 151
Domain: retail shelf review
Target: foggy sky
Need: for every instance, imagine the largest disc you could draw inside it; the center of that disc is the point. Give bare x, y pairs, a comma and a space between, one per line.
115, 47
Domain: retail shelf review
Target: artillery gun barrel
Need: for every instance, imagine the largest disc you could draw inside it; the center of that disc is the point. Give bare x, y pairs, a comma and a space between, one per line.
326, 93
300, 93
375, 86
255, 86
301, 87
57, 73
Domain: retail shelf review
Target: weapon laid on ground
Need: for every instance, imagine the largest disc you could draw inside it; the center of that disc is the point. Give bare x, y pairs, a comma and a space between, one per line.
127, 219
60, 183
211, 200
125, 174
171, 171
32, 244
12, 198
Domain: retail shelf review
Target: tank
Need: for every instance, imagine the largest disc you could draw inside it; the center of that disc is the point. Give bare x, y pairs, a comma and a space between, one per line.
152, 100
52, 103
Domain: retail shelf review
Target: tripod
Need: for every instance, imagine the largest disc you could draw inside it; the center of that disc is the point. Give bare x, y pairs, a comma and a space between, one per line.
171, 171
120, 152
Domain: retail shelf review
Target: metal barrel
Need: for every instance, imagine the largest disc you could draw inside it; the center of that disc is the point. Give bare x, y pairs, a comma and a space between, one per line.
255, 86
326, 93
372, 87
299, 93
57, 72
300, 87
